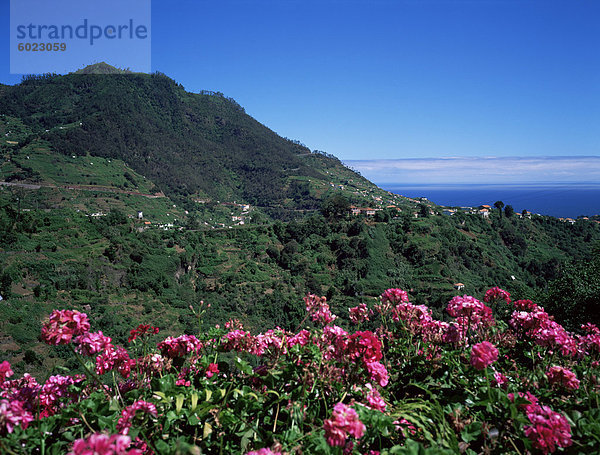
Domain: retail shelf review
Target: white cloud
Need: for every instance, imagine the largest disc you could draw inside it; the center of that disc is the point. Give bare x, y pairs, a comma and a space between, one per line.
488, 170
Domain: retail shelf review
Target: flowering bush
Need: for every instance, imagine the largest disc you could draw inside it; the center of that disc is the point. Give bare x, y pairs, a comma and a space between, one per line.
504, 378
483, 355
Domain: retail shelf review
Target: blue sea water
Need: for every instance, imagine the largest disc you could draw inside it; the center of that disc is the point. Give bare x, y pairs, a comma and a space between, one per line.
559, 200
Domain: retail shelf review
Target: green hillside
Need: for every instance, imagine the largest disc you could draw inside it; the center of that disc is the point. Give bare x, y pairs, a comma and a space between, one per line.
201, 145
126, 197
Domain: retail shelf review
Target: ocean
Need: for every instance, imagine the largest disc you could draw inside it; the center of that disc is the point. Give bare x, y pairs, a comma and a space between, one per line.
558, 200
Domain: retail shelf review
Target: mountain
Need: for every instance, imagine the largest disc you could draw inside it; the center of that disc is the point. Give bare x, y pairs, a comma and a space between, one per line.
191, 145
102, 68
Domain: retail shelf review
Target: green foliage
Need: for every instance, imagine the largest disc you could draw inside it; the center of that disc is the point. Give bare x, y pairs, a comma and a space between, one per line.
263, 391
188, 144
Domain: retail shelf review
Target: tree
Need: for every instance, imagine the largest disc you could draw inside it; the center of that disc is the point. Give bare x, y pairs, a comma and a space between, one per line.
335, 206
575, 296
499, 205
424, 211
509, 211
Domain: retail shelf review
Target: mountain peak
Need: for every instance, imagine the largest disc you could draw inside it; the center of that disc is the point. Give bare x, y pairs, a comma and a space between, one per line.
102, 68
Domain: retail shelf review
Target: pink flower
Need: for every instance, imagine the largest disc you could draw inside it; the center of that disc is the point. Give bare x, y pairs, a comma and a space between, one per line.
270, 342
141, 330
364, 345
302, 338
128, 414
483, 355
114, 357
378, 373
375, 399
344, 421
500, 380
548, 429
469, 311
394, 296
359, 313
5, 371
55, 394
318, 308
496, 293
527, 305
213, 369
63, 325
238, 340
563, 377
12, 414
93, 343
104, 444
179, 347
263, 451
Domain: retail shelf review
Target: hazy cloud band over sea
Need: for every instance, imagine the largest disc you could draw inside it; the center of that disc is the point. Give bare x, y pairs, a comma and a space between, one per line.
482, 170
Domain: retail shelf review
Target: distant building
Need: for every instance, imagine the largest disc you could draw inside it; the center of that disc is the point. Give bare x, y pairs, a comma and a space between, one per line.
459, 286
368, 211
140, 215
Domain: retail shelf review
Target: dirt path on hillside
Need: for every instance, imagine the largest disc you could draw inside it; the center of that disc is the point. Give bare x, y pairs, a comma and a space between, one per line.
108, 189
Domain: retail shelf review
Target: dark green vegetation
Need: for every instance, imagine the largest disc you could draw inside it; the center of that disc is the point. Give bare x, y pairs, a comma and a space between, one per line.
114, 145
105, 267
188, 144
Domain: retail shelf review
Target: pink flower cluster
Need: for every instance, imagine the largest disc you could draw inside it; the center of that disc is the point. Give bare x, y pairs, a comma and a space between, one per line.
270, 342
394, 296
375, 399
64, 325
470, 312
142, 330
302, 338
359, 313
496, 293
318, 309
114, 357
590, 342
173, 347
104, 444
25, 390
544, 331
55, 393
558, 375
344, 421
93, 343
12, 414
526, 305
364, 346
128, 414
212, 369
24, 397
263, 451
5, 371
548, 429
483, 355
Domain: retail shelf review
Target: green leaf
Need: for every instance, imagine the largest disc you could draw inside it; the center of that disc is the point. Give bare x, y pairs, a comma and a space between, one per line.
161, 446
179, 403
207, 430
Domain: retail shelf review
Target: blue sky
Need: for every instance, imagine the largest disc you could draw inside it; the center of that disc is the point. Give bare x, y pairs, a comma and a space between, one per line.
395, 80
